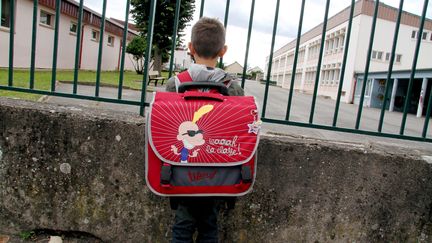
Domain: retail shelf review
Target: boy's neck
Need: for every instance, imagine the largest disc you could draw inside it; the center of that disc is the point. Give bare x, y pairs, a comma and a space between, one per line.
211, 63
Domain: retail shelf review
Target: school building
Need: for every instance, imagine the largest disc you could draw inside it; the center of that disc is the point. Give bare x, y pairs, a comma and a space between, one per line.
68, 26
334, 46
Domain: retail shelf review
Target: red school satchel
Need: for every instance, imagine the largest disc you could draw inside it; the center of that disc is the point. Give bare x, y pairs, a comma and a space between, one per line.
201, 143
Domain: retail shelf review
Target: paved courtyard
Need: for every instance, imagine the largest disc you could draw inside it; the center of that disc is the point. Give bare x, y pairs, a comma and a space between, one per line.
276, 109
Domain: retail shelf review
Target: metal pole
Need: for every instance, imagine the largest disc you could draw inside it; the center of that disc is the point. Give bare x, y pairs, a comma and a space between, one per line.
78, 46
270, 59
342, 73
174, 37
365, 80
390, 70
319, 63
101, 38
295, 61
147, 55
413, 68
225, 25
33, 50
248, 43
202, 8
56, 36
125, 34
11, 41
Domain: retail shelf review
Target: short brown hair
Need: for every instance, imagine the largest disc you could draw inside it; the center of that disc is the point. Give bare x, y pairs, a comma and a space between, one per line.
208, 37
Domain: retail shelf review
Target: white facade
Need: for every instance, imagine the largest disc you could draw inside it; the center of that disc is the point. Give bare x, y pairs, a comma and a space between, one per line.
182, 59
334, 46
111, 53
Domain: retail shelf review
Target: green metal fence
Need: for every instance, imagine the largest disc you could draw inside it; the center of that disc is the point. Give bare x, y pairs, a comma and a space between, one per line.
287, 121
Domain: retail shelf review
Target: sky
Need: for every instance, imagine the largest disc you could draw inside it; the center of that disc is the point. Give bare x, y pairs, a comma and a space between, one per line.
263, 20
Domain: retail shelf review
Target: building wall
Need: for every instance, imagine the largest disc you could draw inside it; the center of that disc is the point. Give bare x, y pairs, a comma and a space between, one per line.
356, 59
182, 59
234, 68
66, 43
357, 53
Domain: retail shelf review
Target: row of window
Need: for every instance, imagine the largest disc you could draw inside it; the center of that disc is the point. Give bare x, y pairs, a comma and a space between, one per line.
379, 55
328, 77
415, 35
335, 44
47, 19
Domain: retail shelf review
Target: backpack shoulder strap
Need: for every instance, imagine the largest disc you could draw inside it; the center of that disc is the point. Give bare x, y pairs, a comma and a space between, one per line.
184, 77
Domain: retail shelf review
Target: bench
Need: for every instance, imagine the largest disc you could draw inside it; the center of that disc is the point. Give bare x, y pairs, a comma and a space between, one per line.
155, 77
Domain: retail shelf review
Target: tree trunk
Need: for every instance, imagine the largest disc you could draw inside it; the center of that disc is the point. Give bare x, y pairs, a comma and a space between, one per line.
157, 64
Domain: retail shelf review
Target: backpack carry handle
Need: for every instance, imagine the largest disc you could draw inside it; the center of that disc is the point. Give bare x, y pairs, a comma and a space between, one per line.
220, 87
189, 95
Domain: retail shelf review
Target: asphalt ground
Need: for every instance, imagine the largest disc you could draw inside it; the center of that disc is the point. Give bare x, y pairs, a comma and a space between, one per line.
276, 109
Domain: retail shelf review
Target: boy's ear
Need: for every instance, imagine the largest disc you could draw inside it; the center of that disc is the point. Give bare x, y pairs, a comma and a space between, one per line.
191, 49
223, 51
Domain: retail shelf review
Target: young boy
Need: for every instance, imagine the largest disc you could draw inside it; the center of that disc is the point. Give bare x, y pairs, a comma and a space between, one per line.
206, 46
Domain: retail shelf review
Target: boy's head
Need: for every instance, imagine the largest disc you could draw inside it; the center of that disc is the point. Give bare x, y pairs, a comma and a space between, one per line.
208, 39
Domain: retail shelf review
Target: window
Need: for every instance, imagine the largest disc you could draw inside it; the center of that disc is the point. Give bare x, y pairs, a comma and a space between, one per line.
5, 15
46, 18
387, 56
398, 58
336, 43
425, 35
342, 40
95, 35
110, 40
73, 28
413, 34
374, 54
379, 57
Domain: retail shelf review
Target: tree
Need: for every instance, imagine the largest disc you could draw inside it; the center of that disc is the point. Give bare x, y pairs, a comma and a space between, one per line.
163, 25
137, 48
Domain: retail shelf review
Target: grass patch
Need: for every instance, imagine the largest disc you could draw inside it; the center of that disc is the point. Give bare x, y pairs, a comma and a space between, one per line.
26, 235
43, 80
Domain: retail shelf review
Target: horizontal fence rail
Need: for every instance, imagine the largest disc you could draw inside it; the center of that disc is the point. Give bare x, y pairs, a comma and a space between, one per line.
362, 79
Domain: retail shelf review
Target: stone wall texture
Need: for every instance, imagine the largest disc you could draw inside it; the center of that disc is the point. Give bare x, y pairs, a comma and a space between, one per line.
82, 170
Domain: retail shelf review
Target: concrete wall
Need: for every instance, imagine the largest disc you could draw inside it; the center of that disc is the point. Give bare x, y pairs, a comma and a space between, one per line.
75, 169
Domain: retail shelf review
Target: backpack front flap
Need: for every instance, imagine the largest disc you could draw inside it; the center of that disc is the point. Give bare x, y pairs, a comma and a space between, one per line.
205, 143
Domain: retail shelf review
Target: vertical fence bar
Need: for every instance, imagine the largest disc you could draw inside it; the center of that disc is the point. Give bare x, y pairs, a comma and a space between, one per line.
56, 36
33, 46
147, 55
11, 41
202, 8
312, 111
365, 80
123, 47
342, 73
78, 46
174, 37
270, 59
248, 42
413, 68
428, 114
390, 69
101, 40
225, 25
295, 61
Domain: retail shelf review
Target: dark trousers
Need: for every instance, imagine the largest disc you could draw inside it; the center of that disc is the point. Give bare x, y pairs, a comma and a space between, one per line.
195, 214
